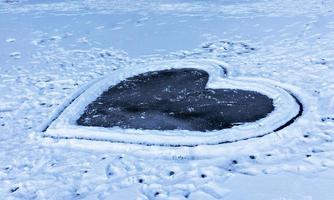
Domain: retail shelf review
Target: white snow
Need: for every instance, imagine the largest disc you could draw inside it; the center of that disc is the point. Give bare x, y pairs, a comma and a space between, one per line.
65, 124
10, 40
60, 46
15, 55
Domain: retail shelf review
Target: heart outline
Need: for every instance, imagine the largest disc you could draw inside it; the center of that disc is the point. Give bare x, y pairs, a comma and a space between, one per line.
62, 127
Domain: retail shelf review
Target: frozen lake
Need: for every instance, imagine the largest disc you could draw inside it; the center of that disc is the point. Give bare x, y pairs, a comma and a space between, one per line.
49, 49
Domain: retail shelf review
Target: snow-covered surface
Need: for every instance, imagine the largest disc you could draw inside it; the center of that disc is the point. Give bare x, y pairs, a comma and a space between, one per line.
65, 125
48, 49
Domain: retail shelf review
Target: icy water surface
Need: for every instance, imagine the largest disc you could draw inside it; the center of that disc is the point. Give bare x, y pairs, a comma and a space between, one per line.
174, 99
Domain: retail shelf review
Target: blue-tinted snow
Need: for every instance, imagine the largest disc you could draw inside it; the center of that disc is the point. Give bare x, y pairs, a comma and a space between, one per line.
49, 48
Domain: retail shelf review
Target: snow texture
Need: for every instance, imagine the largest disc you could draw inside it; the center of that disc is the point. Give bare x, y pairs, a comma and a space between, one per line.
66, 126
51, 49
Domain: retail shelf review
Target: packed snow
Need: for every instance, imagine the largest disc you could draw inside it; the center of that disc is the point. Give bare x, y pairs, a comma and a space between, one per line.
51, 49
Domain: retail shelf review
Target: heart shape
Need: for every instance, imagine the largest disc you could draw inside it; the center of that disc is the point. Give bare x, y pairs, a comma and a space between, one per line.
174, 99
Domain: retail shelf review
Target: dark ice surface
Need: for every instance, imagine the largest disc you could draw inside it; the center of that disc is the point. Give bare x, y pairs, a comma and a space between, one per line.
174, 99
